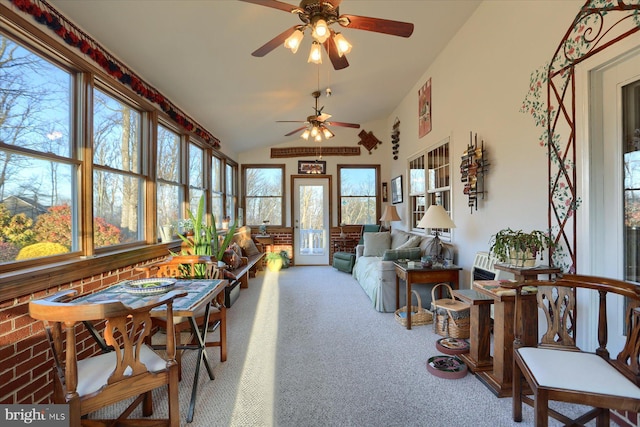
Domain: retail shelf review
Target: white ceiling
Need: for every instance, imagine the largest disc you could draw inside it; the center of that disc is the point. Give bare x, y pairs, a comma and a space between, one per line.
198, 54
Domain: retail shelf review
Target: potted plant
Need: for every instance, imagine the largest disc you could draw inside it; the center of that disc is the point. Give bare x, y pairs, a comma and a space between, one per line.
205, 239
274, 261
518, 248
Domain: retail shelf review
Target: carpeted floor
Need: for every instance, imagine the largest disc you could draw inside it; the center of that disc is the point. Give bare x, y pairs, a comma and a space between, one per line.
306, 348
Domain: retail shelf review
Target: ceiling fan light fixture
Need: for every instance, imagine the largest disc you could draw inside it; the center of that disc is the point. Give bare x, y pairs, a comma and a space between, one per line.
305, 134
294, 40
314, 131
342, 45
320, 29
318, 138
327, 133
315, 55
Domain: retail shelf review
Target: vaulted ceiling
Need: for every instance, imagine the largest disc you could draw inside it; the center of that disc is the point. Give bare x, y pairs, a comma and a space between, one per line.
198, 54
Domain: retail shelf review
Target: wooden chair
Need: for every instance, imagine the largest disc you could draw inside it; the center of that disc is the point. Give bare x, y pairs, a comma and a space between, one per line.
190, 267
557, 370
130, 369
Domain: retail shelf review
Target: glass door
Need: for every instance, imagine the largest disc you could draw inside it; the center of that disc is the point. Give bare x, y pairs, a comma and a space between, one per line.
311, 220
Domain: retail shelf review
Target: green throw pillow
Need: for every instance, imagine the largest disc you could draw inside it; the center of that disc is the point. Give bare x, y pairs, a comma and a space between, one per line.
396, 254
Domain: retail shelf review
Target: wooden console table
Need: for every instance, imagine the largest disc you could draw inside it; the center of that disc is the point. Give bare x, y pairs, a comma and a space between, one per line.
479, 356
411, 275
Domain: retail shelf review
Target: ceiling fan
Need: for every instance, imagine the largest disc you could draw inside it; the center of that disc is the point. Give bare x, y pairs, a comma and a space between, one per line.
319, 15
316, 126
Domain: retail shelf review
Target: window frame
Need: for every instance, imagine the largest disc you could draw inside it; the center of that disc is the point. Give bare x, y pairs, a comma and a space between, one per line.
378, 187
282, 196
436, 191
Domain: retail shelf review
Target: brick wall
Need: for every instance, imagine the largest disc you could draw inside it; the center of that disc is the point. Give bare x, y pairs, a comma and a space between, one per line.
26, 368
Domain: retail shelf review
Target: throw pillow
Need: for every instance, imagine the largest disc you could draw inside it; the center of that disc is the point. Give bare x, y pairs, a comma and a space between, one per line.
413, 242
376, 243
236, 248
398, 237
249, 247
396, 254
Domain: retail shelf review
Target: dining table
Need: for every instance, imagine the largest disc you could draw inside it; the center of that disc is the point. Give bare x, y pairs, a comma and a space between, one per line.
200, 293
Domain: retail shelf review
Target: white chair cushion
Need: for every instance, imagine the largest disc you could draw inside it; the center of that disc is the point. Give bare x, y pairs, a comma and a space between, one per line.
578, 371
94, 372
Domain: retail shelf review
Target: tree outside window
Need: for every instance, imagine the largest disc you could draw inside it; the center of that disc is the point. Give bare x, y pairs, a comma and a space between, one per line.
358, 198
264, 190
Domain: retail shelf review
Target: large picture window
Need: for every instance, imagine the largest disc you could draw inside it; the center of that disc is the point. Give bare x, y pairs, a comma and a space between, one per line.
168, 167
264, 191
38, 168
358, 194
118, 202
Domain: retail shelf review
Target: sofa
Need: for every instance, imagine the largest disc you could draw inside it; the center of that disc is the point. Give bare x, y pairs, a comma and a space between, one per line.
375, 272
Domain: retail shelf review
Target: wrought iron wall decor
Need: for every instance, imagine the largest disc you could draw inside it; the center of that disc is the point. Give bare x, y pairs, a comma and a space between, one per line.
598, 25
395, 139
473, 167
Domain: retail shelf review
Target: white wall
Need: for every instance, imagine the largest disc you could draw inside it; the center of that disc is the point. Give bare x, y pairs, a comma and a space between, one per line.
478, 84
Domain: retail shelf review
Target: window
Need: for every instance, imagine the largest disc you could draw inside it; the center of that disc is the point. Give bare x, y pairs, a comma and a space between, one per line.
358, 194
430, 183
264, 191
168, 167
231, 193
38, 188
196, 176
217, 208
118, 202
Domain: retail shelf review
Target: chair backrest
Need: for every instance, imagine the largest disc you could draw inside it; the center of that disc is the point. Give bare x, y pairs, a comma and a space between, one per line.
558, 301
125, 331
368, 228
188, 267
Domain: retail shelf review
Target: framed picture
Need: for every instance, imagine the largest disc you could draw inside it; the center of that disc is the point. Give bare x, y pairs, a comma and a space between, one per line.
385, 193
396, 190
312, 166
424, 109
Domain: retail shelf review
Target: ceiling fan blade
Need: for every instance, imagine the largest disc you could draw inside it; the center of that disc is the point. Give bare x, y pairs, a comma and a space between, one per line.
386, 26
339, 62
343, 124
274, 42
290, 121
274, 4
296, 131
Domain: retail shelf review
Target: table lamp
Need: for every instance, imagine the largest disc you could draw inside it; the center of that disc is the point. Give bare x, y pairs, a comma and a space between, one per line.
390, 214
436, 217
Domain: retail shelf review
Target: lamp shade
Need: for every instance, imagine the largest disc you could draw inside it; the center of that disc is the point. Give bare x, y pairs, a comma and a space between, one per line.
390, 214
436, 217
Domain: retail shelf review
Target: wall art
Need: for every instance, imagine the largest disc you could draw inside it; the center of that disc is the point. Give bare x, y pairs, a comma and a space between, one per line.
312, 166
424, 109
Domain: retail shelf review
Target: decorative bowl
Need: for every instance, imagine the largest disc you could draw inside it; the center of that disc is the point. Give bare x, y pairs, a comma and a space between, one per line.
149, 286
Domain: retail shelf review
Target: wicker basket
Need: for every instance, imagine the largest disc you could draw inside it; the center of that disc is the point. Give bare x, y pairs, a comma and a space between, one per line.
419, 315
451, 317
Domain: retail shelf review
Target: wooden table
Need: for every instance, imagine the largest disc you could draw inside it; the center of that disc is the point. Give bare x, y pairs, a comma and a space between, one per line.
200, 293
499, 378
479, 356
419, 274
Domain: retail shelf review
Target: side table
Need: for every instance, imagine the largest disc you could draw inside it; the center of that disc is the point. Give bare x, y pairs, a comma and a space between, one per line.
479, 356
412, 275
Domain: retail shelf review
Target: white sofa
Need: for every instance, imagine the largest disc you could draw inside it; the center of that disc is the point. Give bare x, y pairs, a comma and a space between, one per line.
375, 272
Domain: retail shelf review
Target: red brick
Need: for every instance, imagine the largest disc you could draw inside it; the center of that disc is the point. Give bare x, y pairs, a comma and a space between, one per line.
7, 390
15, 336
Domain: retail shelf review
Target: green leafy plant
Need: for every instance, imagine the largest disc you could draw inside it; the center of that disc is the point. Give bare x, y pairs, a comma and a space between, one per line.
205, 239
517, 247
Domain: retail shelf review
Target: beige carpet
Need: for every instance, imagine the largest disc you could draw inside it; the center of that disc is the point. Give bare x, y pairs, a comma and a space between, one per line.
306, 348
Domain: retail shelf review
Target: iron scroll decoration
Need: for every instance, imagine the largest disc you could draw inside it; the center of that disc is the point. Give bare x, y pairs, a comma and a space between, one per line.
473, 167
598, 25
